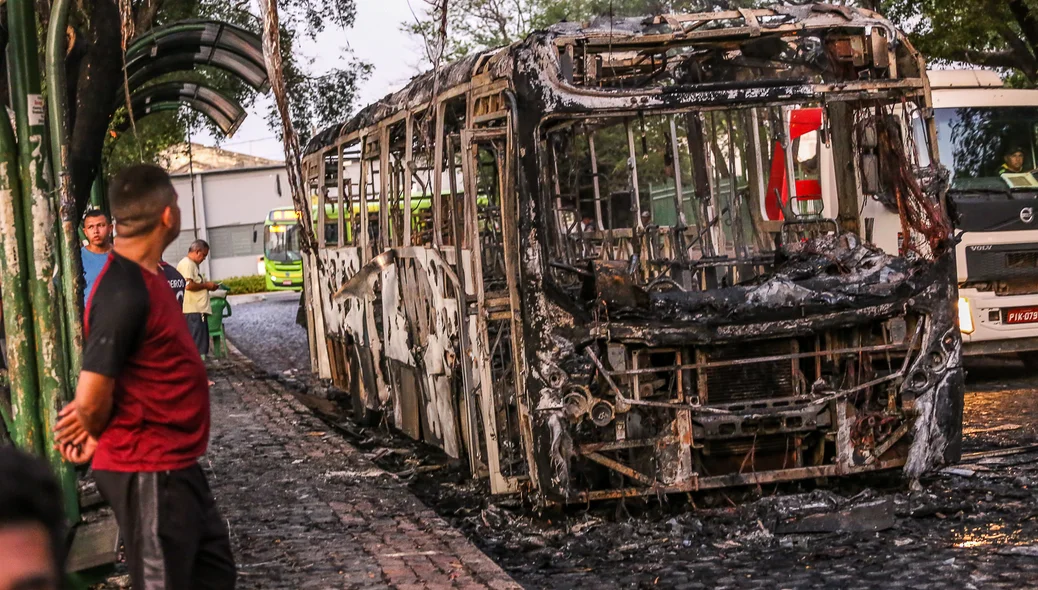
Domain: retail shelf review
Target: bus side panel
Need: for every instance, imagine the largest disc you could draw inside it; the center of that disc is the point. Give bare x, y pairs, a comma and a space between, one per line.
410, 383
440, 355
349, 325
399, 334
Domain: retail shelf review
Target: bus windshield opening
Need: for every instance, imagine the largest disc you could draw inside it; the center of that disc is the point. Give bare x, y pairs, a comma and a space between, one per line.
282, 243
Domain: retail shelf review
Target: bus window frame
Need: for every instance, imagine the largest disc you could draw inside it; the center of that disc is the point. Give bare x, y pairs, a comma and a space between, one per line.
408, 181
322, 198
349, 224
340, 180
398, 185
364, 240
421, 169
384, 171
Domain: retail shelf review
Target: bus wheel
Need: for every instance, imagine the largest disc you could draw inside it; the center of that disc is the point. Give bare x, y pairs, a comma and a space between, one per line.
362, 414
301, 311
1029, 358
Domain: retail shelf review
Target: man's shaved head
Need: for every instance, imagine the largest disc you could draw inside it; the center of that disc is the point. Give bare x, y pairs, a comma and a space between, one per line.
138, 197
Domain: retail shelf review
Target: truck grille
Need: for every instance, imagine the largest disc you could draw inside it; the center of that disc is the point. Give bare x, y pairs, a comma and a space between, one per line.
1001, 262
738, 383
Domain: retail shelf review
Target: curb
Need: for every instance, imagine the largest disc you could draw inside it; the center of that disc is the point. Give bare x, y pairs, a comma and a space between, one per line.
249, 298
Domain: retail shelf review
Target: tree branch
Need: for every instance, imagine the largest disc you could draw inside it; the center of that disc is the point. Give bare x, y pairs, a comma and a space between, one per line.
146, 13
1028, 24
1028, 63
293, 160
995, 59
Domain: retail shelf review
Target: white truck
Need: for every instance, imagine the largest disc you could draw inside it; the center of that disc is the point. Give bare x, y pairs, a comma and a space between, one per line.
987, 139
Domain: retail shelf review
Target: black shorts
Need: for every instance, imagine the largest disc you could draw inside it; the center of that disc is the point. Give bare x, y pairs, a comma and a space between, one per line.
198, 325
174, 536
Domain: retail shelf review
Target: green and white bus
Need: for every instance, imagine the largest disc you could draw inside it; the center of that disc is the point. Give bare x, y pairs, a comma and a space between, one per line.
282, 261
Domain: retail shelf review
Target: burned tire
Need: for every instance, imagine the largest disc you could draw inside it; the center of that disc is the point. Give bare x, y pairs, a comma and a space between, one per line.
301, 312
362, 415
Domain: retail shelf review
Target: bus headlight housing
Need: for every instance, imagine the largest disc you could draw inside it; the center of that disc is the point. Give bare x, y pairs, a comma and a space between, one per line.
965, 317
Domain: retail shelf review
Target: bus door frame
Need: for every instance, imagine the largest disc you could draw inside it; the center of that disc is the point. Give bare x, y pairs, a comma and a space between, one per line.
471, 139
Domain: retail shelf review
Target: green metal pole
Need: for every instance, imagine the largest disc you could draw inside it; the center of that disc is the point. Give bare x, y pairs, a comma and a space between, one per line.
57, 99
24, 423
41, 235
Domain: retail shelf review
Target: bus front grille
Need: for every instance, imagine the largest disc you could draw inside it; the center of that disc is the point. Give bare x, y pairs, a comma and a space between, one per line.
751, 381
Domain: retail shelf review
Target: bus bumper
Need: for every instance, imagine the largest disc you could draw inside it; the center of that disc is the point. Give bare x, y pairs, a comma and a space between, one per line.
293, 284
989, 330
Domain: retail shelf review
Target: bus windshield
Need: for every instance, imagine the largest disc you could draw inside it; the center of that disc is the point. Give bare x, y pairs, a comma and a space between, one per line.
282, 243
614, 178
988, 148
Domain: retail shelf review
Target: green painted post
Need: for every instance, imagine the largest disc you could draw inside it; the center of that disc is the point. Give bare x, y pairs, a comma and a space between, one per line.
70, 264
24, 422
97, 195
40, 235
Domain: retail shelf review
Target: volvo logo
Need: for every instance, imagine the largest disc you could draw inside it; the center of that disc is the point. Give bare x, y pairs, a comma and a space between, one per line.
1027, 214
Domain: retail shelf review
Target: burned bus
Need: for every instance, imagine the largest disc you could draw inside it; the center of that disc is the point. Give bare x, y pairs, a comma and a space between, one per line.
590, 264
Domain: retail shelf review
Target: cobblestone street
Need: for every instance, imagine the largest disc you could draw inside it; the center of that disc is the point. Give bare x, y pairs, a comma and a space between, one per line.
972, 527
306, 510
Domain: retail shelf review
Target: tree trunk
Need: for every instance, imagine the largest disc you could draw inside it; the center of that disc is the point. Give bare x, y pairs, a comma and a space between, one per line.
293, 159
145, 15
98, 85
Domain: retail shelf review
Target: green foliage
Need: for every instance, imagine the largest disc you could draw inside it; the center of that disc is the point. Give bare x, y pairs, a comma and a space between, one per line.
991, 33
154, 134
316, 100
245, 285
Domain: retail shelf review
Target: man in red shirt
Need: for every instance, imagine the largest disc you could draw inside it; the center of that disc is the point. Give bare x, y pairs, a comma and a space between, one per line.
141, 410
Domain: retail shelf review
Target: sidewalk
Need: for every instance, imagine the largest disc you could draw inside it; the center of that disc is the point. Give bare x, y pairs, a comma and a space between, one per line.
306, 510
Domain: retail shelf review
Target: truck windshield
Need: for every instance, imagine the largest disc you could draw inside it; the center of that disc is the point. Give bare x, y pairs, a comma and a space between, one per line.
282, 243
989, 148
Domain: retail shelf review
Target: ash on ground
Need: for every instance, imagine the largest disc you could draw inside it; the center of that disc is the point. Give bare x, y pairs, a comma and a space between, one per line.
970, 526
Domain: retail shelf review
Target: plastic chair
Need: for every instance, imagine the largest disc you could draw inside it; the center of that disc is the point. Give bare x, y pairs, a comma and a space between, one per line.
221, 309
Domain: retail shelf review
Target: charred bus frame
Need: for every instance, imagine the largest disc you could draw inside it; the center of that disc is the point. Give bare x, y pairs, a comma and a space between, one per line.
595, 305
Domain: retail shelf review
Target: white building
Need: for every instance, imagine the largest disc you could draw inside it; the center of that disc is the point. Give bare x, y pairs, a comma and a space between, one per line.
224, 198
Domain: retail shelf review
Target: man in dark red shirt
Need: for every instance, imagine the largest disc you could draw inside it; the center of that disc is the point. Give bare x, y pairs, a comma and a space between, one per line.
141, 410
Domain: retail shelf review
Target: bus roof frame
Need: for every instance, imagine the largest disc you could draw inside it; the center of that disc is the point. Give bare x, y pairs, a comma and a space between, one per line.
538, 58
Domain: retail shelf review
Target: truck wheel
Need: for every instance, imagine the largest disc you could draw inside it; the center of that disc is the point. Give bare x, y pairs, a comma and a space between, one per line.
1029, 358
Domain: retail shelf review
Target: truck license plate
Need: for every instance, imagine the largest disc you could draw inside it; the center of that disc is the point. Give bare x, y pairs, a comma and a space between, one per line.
1022, 315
